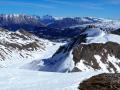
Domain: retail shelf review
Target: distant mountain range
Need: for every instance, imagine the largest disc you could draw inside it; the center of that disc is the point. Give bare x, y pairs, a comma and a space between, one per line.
92, 43
34, 49
50, 27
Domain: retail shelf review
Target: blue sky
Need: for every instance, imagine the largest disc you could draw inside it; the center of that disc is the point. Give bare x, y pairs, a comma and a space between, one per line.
94, 8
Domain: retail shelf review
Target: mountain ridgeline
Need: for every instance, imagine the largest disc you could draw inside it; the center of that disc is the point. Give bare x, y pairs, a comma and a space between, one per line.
50, 27
94, 49
92, 43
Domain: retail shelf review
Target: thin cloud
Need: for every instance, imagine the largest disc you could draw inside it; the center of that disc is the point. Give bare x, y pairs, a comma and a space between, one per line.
113, 1
87, 5
25, 4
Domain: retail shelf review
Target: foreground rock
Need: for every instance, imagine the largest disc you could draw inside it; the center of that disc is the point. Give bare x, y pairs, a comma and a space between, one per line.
102, 82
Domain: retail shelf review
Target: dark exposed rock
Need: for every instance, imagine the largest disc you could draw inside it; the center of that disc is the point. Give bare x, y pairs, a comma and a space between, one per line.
102, 82
68, 47
87, 52
116, 31
32, 45
75, 69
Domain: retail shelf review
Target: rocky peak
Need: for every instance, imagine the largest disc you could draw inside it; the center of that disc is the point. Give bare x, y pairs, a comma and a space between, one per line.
105, 81
117, 32
97, 55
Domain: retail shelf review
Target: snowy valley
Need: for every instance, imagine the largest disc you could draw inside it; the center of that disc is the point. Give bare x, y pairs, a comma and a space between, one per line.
56, 53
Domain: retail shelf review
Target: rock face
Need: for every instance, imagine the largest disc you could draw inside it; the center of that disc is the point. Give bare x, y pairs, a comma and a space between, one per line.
116, 31
90, 53
92, 50
102, 82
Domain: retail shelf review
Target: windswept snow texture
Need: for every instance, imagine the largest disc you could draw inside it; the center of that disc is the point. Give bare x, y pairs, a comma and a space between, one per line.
61, 62
19, 79
96, 35
115, 24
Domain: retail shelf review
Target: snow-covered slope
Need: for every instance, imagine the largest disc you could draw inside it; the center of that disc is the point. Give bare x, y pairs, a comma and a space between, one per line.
95, 35
94, 50
105, 24
110, 24
18, 48
20, 79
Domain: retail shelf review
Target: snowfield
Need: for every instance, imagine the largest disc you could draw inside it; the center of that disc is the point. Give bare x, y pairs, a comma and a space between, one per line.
42, 68
63, 61
14, 60
20, 79
96, 35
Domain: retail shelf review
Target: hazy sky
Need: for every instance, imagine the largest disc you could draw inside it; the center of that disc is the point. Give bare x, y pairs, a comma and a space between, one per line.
94, 8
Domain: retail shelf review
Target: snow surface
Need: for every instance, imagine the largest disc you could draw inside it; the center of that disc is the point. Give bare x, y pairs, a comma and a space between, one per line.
96, 35
14, 76
80, 65
61, 62
115, 24
20, 79
15, 58
103, 23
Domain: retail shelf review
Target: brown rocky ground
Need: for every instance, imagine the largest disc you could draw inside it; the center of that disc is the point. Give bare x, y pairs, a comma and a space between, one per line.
103, 81
87, 52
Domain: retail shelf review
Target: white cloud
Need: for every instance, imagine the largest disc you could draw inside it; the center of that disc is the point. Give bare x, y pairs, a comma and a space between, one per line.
113, 1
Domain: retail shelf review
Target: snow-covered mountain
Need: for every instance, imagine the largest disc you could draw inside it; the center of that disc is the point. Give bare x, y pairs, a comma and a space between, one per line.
94, 50
73, 21
47, 19
22, 21
17, 48
17, 21
50, 27
92, 46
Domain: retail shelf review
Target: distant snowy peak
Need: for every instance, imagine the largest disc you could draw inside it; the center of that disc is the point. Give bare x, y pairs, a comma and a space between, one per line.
19, 20
18, 15
110, 24
68, 22
47, 17
33, 21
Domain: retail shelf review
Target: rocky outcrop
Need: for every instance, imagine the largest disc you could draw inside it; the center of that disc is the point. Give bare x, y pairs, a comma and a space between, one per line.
19, 43
102, 82
117, 32
81, 54
91, 53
